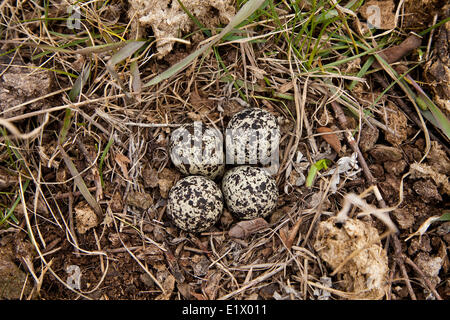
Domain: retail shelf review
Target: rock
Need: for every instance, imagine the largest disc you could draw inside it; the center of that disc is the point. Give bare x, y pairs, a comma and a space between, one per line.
382, 153
395, 167
404, 218
397, 121
368, 138
430, 266
85, 217
427, 190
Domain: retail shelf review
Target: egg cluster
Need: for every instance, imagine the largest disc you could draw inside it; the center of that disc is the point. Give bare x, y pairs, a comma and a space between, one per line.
196, 202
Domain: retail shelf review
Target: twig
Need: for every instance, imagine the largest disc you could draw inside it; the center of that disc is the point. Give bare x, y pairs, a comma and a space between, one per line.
71, 225
395, 53
64, 195
401, 263
391, 279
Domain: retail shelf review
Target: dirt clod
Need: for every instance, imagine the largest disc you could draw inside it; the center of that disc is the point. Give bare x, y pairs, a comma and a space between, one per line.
382, 153
364, 275
85, 217
379, 13
168, 20
369, 136
140, 199
427, 190
430, 266
395, 167
12, 280
19, 84
404, 218
396, 120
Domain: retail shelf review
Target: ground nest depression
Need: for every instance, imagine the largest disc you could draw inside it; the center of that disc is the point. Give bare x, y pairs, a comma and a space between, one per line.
91, 92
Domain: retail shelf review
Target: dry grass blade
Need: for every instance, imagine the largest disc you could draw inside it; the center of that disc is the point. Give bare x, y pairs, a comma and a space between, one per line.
13, 129
80, 183
124, 53
424, 227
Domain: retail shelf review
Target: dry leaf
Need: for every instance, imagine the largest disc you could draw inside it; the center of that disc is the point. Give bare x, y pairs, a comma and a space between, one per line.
140, 199
185, 290
212, 284
122, 161
167, 179
331, 138
150, 176
168, 285
293, 233
424, 227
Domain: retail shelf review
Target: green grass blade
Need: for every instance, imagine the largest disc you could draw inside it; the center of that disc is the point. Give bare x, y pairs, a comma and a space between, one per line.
445, 216
80, 183
102, 158
362, 72
424, 32
66, 126
79, 83
10, 212
443, 122
124, 53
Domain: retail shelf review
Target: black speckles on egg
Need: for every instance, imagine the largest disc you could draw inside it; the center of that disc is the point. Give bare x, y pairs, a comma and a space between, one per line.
197, 149
249, 192
252, 133
195, 203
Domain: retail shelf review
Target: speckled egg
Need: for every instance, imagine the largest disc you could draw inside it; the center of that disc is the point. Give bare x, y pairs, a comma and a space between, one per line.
196, 149
249, 192
252, 137
195, 203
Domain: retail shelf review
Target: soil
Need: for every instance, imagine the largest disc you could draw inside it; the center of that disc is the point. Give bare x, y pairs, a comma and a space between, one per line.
133, 250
